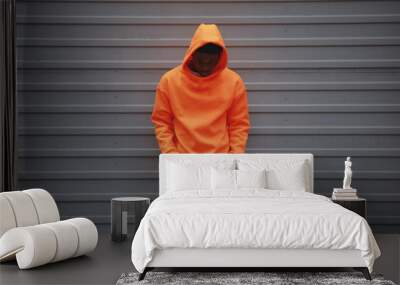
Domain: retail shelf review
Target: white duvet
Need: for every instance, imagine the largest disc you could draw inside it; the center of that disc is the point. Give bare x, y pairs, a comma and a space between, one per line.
251, 218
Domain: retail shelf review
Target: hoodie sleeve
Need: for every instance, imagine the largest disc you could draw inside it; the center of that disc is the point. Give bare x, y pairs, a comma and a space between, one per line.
238, 120
162, 118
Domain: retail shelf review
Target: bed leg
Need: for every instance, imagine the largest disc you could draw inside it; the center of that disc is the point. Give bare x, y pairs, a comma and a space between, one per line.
364, 271
143, 274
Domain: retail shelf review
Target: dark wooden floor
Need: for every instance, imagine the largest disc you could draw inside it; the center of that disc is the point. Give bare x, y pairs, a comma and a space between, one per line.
103, 266
110, 259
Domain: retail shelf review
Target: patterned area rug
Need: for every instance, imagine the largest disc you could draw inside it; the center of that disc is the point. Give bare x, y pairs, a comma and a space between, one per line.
243, 278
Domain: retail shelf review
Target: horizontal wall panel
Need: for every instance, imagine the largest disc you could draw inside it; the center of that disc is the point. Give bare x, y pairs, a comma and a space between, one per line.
313, 143
257, 119
230, 42
322, 77
61, 189
95, 164
378, 189
237, 65
295, 97
390, 209
146, 174
88, 174
228, 31
42, 141
90, 208
154, 152
213, 8
221, 19
253, 108
266, 130
100, 97
250, 86
114, 164
359, 164
239, 57
297, 77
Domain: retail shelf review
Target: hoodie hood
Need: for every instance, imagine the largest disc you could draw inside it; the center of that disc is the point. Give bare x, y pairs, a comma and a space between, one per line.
204, 34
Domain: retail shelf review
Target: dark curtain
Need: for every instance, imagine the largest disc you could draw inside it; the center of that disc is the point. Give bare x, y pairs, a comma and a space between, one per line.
8, 115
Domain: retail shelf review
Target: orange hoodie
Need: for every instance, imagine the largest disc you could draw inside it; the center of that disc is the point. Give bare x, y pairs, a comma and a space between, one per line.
194, 114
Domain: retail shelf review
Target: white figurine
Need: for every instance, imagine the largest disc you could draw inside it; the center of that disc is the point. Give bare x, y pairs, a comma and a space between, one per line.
347, 174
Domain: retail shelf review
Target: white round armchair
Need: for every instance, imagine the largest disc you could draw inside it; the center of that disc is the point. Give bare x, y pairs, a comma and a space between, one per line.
31, 230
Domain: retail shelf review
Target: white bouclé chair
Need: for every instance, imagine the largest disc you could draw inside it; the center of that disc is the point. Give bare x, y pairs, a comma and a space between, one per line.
32, 233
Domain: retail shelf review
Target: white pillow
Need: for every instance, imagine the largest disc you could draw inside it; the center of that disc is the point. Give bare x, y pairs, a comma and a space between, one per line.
256, 178
229, 179
187, 174
187, 177
223, 179
282, 174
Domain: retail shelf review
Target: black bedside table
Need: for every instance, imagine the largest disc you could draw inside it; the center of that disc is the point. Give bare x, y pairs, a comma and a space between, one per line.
121, 228
358, 206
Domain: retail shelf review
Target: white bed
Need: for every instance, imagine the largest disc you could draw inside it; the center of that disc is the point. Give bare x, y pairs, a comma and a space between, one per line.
249, 227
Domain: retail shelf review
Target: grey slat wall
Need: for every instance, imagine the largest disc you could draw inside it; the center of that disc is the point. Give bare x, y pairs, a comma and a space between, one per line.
322, 76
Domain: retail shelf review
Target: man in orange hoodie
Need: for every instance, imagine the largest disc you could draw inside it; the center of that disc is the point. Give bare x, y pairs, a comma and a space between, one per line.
201, 105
